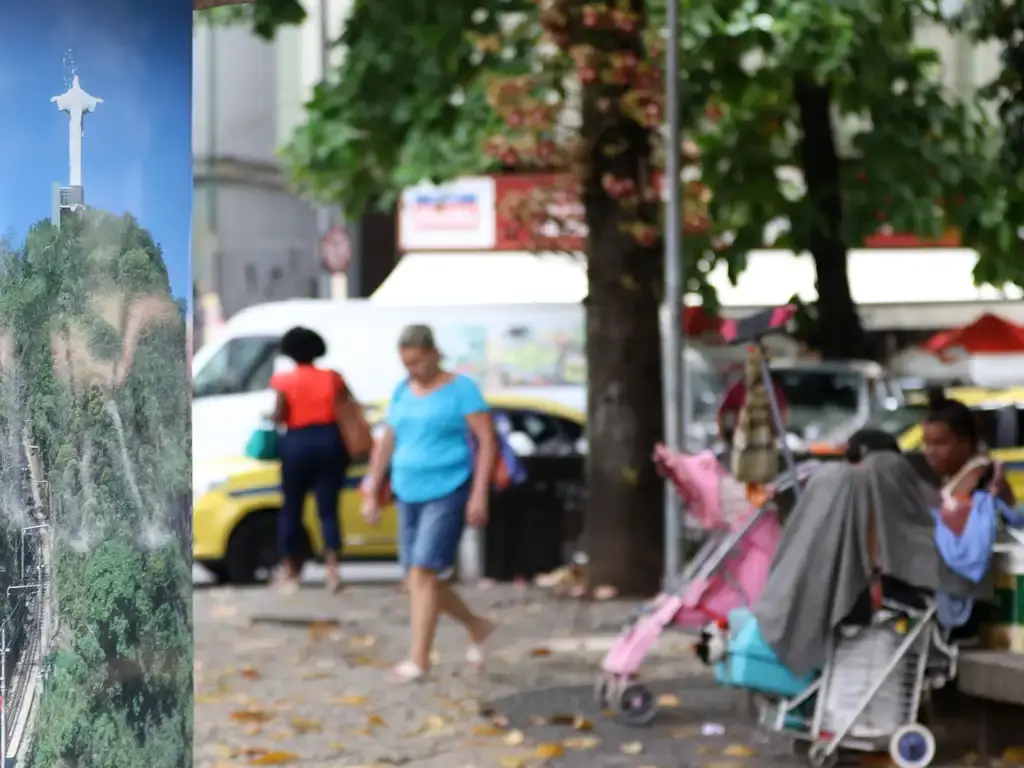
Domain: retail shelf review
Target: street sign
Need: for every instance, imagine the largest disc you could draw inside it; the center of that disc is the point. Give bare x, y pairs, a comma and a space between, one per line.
335, 250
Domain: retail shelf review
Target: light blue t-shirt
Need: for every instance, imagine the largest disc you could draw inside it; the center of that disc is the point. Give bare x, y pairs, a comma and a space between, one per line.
433, 456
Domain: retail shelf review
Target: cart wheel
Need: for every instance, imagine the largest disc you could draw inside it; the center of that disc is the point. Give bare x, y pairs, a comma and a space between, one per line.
637, 704
912, 746
818, 756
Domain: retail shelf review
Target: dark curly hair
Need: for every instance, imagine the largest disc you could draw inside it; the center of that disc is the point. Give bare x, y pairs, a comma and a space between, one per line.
954, 414
865, 441
303, 345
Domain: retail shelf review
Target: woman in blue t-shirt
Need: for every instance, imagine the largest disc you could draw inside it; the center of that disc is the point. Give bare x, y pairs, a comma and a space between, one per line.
438, 489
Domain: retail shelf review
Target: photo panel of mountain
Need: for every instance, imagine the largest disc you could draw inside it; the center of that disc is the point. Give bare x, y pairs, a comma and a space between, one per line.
95, 447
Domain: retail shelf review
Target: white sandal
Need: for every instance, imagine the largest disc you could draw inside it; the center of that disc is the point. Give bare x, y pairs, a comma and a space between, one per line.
475, 655
406, 672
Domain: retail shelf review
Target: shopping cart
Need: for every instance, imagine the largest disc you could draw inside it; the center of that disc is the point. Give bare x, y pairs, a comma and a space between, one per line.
868, 694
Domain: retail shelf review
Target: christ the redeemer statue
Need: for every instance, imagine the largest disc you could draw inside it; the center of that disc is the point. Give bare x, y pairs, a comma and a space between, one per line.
76, 103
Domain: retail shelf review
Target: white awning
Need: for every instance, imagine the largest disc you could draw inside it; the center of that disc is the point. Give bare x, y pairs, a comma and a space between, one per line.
893, 288
461, 279
877, 277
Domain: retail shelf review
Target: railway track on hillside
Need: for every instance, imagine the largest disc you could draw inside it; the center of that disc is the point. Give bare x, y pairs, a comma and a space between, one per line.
26, 668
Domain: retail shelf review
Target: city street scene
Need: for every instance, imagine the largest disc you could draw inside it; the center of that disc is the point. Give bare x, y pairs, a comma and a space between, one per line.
634, 384
95, 622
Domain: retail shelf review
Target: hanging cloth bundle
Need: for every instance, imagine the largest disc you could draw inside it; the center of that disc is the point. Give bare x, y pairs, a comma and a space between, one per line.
755, 458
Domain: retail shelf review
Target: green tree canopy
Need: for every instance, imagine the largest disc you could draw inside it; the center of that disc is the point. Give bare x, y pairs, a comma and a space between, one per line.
827, 116
92, 371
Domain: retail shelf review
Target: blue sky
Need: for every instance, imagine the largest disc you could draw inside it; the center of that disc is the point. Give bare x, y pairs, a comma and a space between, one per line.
136, 55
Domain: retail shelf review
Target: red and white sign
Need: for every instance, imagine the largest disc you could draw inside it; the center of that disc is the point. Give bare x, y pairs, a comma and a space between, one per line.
336, 250
457, 216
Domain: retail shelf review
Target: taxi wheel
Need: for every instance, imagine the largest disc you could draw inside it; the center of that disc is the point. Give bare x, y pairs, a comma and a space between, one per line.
252, 550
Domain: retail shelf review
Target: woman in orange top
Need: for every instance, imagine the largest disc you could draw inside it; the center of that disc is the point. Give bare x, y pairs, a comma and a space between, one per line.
313, 454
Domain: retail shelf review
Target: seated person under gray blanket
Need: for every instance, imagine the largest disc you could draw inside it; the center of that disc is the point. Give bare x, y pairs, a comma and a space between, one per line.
854, 525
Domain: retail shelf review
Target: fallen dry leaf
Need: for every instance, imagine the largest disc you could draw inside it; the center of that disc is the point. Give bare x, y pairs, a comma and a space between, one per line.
250, 673
351, 700
485, 730
275, 758
224, 611
514, 762
549, 751
738, 750
668, 701
375, 721
320, 630
305, 725
632, 748
514, 738
251, 753
252, 716
553, 719
432, 725
540, 652
580, 723
581, 742
685, 732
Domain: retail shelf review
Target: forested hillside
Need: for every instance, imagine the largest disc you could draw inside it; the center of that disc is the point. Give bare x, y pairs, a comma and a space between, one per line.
92, 368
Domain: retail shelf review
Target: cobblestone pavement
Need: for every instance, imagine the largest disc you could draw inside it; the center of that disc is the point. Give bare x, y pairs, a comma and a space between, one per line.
301, 680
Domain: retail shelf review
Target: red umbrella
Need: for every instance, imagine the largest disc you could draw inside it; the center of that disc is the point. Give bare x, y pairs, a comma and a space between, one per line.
989, 334
698, 322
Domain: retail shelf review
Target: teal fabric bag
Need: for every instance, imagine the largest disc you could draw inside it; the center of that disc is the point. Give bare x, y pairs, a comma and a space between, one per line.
262, 445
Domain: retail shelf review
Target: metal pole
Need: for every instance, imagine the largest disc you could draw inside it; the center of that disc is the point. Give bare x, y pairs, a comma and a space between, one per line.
337, 287
3, 692
672, 362
773, 405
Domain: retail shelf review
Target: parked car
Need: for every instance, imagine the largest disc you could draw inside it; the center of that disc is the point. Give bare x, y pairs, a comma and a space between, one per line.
234, 521
829, 401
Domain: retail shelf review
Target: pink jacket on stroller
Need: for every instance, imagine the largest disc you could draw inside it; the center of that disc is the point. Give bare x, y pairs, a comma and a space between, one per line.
719, 504
731, 569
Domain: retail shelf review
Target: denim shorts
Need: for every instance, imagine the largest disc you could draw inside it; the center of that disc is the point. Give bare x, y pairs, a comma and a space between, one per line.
429, 531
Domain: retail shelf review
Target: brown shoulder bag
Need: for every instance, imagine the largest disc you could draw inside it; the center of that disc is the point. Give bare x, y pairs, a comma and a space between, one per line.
355, 430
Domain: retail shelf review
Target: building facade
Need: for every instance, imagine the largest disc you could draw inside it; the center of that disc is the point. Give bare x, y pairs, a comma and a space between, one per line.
253, 239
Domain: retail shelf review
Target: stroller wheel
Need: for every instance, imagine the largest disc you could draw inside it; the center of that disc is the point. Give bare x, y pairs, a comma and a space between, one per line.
637, 704
912, 746
603, 690
818, 756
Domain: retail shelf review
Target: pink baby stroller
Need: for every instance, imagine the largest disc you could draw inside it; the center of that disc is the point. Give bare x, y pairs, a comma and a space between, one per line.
729, 570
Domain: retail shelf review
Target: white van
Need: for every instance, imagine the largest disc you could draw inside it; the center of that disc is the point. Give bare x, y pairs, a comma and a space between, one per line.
528, 349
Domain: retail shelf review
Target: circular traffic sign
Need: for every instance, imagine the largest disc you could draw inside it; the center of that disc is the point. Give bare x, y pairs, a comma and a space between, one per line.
336, 250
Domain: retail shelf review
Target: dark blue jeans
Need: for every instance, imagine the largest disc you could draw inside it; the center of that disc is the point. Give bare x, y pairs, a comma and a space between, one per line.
313, 460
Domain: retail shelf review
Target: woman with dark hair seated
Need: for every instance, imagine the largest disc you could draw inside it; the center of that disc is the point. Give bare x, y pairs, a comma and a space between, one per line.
956, 454
313, 454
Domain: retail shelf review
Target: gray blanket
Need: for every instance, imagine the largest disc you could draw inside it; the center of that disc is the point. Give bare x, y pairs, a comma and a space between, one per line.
823, 565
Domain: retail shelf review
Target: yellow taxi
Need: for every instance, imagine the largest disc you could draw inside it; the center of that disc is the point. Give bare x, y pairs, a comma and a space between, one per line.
235, 517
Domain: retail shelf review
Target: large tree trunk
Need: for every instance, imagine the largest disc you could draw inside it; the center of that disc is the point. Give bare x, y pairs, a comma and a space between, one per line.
624, 529
839, 333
